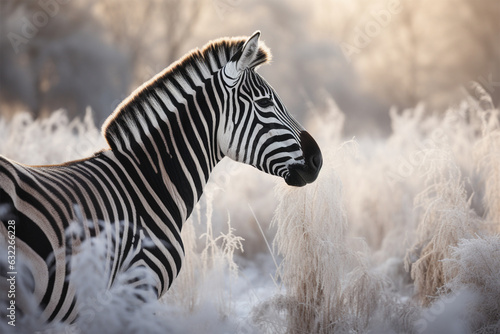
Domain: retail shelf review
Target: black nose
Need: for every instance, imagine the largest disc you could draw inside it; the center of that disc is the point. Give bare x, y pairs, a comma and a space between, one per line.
301, 174
312, 154
316, 161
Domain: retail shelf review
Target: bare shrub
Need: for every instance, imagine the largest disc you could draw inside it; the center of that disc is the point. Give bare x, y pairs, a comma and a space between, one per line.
446, 219
487, 154
430, 191
328, 284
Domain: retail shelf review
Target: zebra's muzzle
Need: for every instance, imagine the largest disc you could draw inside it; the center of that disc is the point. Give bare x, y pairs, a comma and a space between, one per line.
301, 174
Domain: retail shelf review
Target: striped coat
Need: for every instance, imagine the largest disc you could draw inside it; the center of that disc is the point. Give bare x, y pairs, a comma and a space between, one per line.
164, 140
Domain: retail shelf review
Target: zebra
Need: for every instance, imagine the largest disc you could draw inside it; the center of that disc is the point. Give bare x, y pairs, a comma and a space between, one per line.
163, 142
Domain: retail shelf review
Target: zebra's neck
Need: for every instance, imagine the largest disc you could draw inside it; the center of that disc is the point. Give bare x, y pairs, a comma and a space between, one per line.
171, 137
168, 127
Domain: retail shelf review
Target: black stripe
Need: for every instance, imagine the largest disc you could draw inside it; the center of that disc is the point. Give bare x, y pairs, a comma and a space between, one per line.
141, 211
64, 293
191, 129
171, 162
28, 197
68, 313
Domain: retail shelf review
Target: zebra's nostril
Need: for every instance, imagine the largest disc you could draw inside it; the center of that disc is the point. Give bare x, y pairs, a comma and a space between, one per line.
312, 153
316, 161
309, 171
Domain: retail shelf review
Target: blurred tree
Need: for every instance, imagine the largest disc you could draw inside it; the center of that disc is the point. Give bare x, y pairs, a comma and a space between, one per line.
152, 33
409, 25
485, 38
73, 54
181, 19
430, 50
127, 24
52, 57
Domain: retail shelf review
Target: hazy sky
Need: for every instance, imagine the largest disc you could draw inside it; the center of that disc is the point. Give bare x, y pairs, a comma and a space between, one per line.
367, 55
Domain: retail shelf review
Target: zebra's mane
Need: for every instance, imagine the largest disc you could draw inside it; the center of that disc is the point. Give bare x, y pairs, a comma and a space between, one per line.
194, 67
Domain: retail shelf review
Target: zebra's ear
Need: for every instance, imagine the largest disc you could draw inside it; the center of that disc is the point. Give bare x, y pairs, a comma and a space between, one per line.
248, 57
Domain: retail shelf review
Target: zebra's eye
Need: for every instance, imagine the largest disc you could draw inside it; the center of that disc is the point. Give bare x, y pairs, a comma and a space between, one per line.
265, 102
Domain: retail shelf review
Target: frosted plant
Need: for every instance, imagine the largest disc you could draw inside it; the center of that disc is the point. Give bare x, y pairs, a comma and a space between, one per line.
119, 308
126, 302
185, 291
446, 219
62, 139
446, 205
487, 154
440, 173
208, 275
474, 266
311, 225
218, 260
328, 286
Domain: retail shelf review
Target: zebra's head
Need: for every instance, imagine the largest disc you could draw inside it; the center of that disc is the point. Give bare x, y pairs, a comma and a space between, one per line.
256, 128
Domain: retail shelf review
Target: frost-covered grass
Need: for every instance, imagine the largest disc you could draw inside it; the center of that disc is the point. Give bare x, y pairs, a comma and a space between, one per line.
397, 235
